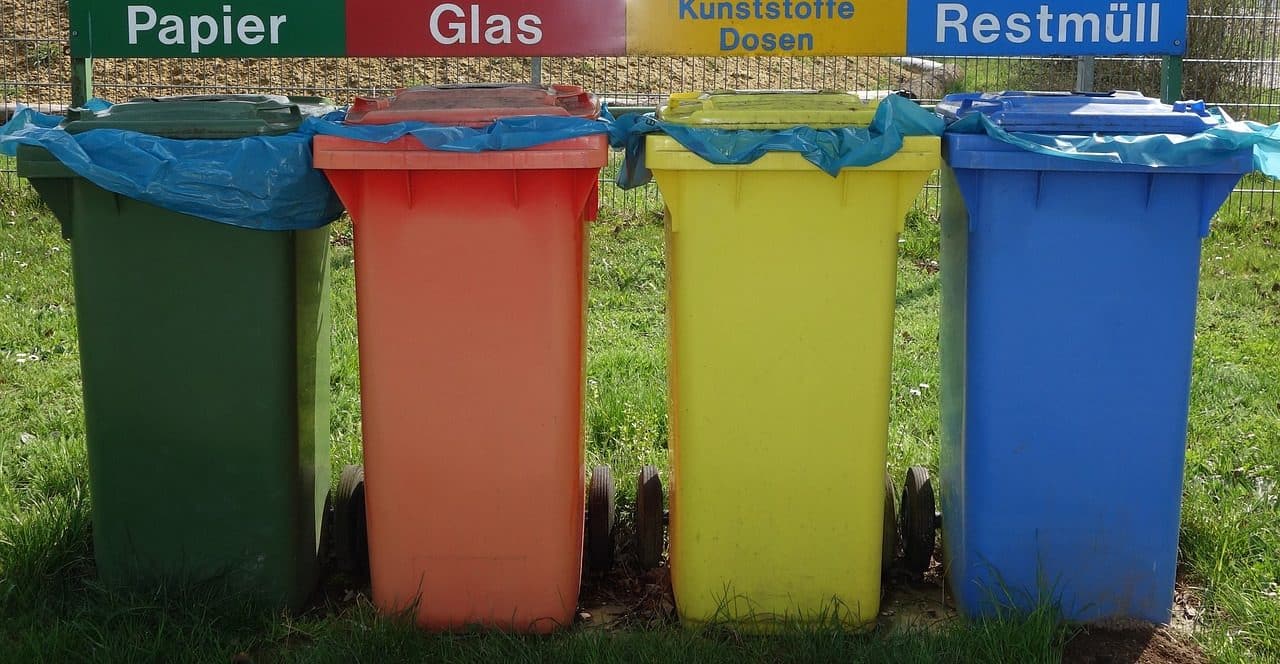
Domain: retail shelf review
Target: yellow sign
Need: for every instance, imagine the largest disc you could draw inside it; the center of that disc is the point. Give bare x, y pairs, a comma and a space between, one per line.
766, 27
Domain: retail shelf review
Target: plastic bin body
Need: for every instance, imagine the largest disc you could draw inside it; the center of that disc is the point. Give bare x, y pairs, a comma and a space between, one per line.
781, 284
205, 358
471, 287
1069, 296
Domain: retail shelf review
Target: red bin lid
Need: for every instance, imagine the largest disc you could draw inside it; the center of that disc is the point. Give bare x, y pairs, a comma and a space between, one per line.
474, 104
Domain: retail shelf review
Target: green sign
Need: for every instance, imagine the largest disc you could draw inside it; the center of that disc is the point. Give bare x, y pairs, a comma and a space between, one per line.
207, 28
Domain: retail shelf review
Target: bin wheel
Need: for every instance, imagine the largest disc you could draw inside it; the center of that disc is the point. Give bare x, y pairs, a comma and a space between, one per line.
649, 518
350, 525
918, 520
600, 515
325, 551
889, 552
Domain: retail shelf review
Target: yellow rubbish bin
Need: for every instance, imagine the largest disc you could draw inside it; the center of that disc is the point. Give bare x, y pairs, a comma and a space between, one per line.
782, 285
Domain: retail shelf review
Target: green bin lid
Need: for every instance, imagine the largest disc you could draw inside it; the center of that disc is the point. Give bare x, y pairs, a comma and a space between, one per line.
769, 109
201, 116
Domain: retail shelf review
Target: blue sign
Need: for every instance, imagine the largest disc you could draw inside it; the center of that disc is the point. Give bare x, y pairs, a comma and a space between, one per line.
1048, 27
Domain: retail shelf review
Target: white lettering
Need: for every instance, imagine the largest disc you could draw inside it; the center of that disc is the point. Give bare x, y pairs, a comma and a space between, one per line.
452, 24
1126, 33
204, 30
1019, 28
1065, 22
459, 34
250, 30
1044, 17
1123, 22
499, 30
204, 37
530, 30
136, 11
276, 22
986, 28
172, 32
956, 22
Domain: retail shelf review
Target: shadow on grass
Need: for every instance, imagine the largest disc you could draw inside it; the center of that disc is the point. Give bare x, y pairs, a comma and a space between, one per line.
73, 618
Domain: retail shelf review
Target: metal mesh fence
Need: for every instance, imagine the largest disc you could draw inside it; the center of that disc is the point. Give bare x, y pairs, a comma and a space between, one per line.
1233, 60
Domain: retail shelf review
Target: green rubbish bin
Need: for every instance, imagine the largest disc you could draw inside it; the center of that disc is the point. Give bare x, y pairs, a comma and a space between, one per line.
205, 356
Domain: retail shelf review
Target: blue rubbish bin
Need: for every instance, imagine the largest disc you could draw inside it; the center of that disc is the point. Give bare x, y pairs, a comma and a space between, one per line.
1068, 317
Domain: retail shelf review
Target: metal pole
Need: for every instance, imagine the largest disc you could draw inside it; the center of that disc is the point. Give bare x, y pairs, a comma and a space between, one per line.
1171, 79
1084, 73
535, 65
81, 81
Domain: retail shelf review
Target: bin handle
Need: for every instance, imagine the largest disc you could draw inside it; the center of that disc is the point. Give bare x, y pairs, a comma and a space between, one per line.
780, 91
269, 102
283, 101
476, 86
1080, 93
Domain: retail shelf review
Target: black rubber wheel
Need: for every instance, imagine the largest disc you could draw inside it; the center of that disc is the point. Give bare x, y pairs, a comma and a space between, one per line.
600, 516
889, 552
350, 530
649, 518
324, 552
918, 520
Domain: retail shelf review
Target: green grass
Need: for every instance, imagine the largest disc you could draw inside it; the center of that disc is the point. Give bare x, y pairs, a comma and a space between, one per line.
997, 74
1262, 107
51, 608
1231, 524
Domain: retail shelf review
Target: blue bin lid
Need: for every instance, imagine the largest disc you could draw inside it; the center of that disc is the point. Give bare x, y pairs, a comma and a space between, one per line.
1080, 113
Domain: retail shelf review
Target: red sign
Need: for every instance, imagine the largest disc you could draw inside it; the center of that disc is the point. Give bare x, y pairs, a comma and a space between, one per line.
380, 28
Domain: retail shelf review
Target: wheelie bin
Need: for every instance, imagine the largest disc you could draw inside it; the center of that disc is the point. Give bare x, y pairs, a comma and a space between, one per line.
470, 282
204, 349
781, 304
1069, 302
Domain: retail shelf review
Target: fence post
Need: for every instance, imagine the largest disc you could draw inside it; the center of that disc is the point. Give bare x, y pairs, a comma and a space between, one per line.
81, 81
1171, 79
535, 66
1084, 73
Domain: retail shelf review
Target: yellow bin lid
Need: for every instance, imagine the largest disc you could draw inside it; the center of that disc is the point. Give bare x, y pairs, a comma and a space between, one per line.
768, 109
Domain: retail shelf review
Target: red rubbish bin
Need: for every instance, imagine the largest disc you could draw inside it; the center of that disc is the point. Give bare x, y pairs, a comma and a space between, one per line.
471, 291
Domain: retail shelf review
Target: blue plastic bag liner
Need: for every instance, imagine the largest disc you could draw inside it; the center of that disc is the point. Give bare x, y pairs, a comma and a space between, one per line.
260, 182
29, 117
263, 182
26, 117
1116, 128
831, 150
1266, 154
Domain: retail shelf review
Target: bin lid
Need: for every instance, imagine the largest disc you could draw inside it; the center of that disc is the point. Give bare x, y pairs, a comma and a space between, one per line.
769, 109
1077, 112
200, 116
474, 104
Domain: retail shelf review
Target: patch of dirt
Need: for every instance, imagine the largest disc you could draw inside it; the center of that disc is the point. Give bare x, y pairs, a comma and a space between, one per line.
625, 598
1132, 643
916, 603
1188, 609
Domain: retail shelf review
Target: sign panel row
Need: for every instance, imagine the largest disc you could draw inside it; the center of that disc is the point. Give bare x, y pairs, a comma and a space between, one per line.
385, 28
